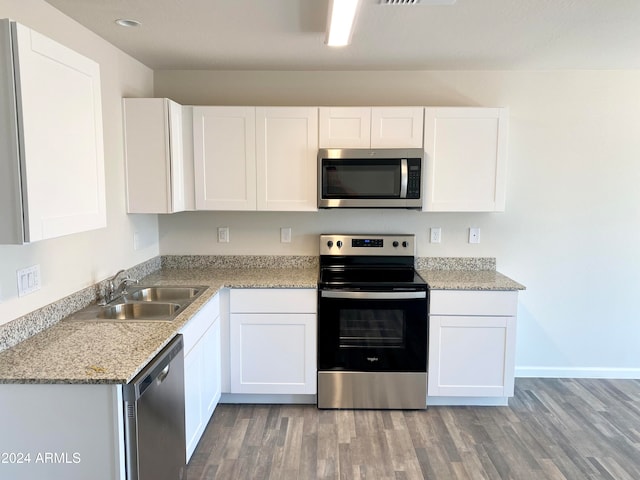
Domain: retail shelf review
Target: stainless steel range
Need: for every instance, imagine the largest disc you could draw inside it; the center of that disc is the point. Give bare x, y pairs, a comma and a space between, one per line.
372, 323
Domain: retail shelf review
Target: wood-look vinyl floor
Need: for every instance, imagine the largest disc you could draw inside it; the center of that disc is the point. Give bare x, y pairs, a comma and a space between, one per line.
552, 429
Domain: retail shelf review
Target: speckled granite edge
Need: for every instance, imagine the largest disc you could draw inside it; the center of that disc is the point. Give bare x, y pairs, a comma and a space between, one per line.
455, 263
15, 331
239, 261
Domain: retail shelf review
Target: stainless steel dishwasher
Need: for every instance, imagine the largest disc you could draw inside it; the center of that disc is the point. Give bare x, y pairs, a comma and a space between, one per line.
154, 418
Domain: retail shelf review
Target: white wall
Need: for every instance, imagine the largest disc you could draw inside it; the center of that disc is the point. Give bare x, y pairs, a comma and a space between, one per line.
71, 263
571, 228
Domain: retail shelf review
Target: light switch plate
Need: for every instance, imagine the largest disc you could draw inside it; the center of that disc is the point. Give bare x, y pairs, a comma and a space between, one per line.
223, 234
285, 235
474, 235
28, 280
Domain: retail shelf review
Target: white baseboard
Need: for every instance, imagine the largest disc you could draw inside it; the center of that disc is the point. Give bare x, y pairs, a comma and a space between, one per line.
467, 401
578, 372
266, 398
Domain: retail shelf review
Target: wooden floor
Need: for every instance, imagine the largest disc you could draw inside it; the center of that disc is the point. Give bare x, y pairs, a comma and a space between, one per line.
552, 429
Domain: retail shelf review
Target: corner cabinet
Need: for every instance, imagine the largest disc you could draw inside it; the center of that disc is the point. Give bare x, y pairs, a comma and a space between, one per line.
371, 127
52, 155
249, 158
157, 170
466, 157
202, 371
472, 337
273, 341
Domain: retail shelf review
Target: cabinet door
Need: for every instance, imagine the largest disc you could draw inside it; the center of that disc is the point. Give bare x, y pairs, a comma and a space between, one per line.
194, 419
273, 353
396, 127
345, 127
287, 149
466, 151
153, 155
212, 374
60, 111
471, 356
224, 158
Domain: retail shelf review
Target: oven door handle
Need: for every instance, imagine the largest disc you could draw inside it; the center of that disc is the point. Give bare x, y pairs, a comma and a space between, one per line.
373, 295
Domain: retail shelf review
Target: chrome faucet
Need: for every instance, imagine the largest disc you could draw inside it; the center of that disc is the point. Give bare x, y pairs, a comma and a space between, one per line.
113, 290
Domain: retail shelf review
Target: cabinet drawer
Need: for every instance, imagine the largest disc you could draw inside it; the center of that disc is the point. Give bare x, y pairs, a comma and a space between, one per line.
199, 323
473, 302
273, 300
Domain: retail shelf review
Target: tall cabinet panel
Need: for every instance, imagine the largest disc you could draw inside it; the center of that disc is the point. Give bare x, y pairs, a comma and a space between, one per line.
286, 149
54, 95
466, 152
224, 158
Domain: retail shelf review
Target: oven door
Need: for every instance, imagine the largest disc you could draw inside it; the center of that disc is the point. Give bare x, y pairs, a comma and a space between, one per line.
373, 331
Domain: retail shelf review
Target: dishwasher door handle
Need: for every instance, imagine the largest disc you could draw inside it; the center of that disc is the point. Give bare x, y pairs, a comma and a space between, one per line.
163, 374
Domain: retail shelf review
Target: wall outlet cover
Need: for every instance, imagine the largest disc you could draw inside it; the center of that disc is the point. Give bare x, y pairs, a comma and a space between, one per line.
436, 234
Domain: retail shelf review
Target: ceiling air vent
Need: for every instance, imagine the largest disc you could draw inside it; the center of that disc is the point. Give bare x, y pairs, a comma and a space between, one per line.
417, 2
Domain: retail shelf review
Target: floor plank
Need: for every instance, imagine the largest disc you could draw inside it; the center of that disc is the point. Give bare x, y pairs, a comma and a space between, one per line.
553, 429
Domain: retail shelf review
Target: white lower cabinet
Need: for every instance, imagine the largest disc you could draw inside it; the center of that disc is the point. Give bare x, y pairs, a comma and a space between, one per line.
472, 338
273, 341
202, 372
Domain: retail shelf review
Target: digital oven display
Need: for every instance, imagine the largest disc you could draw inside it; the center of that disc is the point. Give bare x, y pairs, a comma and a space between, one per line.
367, 242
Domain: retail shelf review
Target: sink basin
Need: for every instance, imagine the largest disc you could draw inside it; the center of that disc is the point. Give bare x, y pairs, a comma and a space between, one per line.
164, 294
139, 311
143, 303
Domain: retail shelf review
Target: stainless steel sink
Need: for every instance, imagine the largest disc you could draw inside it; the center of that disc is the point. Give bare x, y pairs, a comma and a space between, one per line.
164, 294
142, 303
139, 311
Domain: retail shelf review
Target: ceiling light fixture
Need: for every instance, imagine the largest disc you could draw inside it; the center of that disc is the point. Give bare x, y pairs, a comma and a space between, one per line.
127, 22
340, 21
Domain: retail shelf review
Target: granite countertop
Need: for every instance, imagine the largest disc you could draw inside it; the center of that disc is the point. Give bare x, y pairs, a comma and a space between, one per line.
114, 352
468, 280
105, 352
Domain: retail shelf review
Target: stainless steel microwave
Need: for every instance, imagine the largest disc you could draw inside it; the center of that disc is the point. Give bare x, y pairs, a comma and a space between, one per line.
370, 178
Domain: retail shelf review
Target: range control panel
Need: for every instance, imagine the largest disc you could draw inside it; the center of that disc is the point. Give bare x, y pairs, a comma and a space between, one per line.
393, 245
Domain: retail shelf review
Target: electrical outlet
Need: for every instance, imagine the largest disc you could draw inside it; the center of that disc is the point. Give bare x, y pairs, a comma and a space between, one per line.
136, 241
28, 280
285, 235
436, 234
474, 235
223, 234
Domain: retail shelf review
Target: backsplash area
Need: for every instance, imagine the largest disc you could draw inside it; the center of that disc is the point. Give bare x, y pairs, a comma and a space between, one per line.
28, 325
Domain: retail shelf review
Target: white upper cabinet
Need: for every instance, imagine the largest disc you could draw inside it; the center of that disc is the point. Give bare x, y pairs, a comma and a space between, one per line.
287, 149
224, 150
465, 154
51, 154
371, 127
157, 169
345, 127
249, 158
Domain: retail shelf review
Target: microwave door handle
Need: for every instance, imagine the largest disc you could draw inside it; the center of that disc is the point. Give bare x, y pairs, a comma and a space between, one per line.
404, 178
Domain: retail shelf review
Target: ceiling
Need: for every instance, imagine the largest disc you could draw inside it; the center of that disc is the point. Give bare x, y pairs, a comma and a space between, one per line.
289, 34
